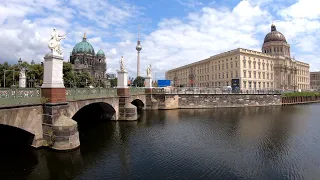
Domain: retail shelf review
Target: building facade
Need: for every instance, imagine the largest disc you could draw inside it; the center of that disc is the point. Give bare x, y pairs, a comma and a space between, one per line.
315, 80
83, 58
273, 68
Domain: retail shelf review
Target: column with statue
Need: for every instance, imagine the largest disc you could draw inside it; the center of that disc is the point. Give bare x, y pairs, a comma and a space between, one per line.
151, 103
56, 123
127, 111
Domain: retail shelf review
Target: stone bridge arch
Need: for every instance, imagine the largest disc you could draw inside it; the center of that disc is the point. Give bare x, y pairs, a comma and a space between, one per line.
138, 100
75, 106
28, 119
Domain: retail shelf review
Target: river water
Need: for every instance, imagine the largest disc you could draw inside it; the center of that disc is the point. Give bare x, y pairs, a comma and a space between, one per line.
227, 143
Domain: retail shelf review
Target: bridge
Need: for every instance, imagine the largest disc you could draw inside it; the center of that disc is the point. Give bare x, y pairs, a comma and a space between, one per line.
50, 120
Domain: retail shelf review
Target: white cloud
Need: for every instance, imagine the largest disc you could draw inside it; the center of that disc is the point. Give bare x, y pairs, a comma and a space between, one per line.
309, 9
174, 42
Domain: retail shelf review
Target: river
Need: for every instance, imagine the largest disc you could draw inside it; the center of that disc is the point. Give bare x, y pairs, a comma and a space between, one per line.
228, 143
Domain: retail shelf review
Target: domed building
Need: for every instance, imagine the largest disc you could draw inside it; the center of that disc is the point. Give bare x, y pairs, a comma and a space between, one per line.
84, 58
271, 69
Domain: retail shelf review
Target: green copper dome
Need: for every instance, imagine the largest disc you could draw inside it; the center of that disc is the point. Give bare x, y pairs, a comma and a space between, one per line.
83, 47
100, 52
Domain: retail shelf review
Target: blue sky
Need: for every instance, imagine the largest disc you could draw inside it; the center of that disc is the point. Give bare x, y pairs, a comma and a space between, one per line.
173, 32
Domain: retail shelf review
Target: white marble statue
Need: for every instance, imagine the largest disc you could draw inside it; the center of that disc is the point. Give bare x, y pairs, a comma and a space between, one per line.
149, 71
54, 42
121, 64
22, 73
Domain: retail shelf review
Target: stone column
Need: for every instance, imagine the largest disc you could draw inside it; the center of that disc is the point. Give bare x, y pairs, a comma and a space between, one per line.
127, 111
148, 82
53, 87
22, 78
59, 131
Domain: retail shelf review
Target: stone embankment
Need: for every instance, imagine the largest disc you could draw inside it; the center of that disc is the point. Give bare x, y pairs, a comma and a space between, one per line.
300, 100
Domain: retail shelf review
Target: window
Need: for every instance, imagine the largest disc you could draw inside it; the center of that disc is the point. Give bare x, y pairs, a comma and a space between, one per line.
254, 75
259, 65
267, 75
268, 67
231, 65
249, 74
259, 75
249, 62
262, 66
236, 64
244, 63
244, 84
227, 75
255, 85
244, 74
219, 77
250, 84
219, 67
231, 74
227, 66
222, 66
263, 75
236, 74
222, 75
215, 67
264, 85
254, 65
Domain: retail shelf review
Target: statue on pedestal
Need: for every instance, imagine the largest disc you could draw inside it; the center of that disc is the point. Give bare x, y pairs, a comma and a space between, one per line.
121, 64
149, 71
54, 42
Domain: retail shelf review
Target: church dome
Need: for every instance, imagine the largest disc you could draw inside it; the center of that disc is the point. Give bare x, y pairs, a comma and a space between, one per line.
83, 47
100, 53
274, 35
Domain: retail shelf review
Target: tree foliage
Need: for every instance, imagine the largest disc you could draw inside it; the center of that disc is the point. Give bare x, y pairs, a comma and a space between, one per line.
139, 81
34, 74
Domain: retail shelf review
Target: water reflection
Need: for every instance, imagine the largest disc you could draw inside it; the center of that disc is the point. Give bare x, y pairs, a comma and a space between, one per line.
230, 143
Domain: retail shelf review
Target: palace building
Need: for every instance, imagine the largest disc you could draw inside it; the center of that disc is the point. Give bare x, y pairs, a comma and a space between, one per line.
84, 58
273, 68
315, 80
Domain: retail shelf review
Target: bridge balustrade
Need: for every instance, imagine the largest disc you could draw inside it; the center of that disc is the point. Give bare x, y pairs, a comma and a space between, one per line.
20, 96
193, 90
73, 94
136, 91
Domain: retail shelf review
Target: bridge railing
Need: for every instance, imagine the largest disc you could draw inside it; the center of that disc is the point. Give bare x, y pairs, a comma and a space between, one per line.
136, 91
211, 91
89, 93
20, 96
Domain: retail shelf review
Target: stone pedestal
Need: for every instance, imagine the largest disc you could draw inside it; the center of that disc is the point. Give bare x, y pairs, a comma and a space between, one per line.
122, 79
53, 87
148, 82
22, 79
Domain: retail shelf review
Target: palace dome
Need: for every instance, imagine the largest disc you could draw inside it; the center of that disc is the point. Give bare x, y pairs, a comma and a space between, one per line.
83, 47
100, 53
274, 35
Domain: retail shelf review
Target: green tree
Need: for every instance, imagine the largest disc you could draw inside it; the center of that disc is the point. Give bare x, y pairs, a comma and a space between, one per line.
139, 81
114, 82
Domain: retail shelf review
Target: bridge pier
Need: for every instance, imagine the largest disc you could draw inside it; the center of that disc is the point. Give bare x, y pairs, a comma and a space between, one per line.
59, 131
127, 111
